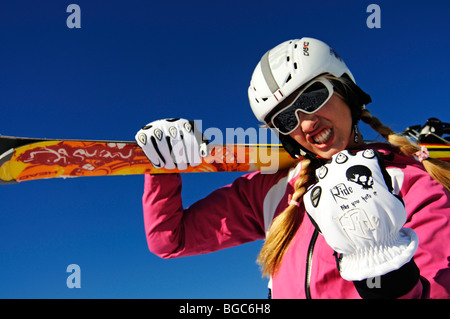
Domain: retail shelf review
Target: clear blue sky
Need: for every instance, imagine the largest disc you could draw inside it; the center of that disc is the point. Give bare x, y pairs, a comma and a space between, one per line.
132, 62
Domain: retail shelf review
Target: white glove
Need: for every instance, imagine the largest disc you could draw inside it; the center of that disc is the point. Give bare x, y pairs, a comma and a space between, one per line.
172, 143
355, 210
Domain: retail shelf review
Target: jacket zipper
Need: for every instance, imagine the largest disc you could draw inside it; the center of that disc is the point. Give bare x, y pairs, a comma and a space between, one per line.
309, 258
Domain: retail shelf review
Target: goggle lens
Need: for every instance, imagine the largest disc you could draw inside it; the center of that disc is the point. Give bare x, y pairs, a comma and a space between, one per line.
309, 100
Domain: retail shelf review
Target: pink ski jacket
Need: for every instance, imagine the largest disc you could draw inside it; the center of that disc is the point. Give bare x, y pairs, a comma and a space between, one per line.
243, 212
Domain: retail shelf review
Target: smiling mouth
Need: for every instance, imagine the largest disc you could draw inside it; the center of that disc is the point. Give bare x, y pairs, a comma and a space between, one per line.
323, 136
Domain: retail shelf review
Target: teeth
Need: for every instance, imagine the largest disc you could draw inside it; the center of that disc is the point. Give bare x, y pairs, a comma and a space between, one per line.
322, 137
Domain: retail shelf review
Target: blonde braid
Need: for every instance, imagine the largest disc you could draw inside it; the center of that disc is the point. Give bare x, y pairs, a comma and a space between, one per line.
284, 226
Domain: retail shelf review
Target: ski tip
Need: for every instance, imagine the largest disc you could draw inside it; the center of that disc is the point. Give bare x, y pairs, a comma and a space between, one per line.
5, 171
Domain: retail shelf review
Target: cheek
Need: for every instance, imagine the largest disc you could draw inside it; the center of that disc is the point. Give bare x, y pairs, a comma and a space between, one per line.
340, 117
299, 136
344, 126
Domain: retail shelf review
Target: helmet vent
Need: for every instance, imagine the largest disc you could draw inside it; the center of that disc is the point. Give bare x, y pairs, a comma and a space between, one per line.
289, 78
295, 65
288, 58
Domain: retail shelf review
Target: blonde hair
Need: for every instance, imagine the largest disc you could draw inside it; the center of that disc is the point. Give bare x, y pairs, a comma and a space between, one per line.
285, 225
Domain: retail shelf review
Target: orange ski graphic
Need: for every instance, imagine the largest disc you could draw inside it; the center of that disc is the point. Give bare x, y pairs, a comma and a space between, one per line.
72, 158
25, 159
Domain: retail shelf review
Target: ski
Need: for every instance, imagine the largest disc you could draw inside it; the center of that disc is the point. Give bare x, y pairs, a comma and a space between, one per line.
25, 159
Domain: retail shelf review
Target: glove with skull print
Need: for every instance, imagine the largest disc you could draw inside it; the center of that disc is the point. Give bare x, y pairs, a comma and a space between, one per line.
354, 208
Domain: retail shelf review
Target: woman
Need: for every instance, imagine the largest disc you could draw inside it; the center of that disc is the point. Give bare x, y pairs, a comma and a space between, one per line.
350, 220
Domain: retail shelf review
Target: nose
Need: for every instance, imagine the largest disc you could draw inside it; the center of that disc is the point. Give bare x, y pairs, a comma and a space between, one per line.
308, 122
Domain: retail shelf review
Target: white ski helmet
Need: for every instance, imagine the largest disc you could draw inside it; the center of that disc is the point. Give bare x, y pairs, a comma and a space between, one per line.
287, 67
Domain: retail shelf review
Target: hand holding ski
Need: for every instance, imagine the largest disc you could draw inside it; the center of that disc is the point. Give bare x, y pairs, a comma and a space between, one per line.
360, 218
172, 143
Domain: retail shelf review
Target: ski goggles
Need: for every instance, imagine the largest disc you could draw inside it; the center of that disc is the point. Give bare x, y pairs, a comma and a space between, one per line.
307, 100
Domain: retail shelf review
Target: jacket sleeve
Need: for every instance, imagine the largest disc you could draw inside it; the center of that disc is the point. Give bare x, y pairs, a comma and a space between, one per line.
428, 206
229, 216
427, 275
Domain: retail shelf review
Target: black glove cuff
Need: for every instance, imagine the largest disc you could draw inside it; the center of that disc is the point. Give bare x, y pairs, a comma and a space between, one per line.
391, 285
